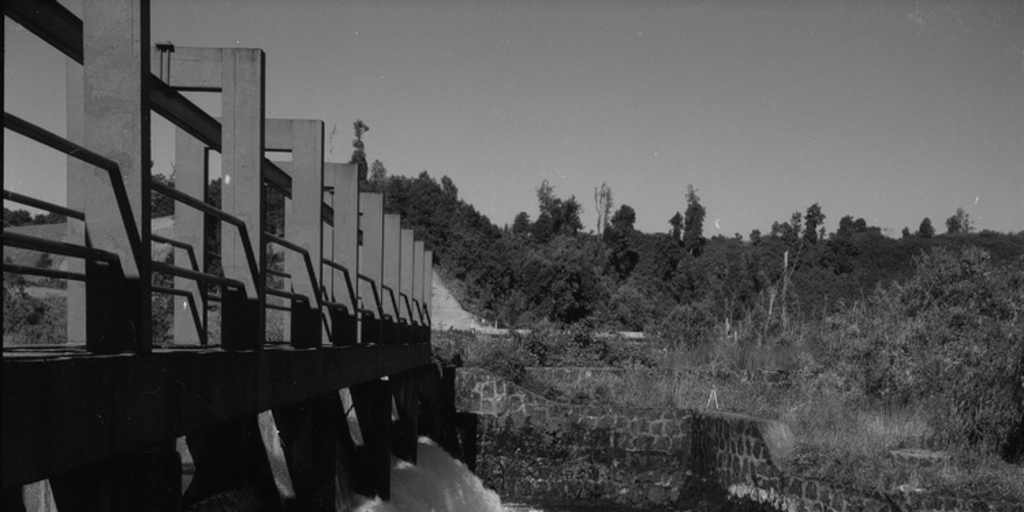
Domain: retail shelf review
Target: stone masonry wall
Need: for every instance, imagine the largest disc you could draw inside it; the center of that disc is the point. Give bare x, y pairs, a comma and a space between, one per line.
533, 448
742, 455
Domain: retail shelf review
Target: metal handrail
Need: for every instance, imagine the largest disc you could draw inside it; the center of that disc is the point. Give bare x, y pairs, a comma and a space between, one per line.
43, 272
174, 270
394, 303
43, 205
408, 306
27, 129
243, 231
191, 299
286, 295
348, 281
419, 309
376, 294
313, 282
181, 245
200, 329
335, 305
35, 243
278, 273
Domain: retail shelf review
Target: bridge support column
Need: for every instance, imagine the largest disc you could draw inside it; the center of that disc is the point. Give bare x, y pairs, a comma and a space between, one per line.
350, 478
148, 479
404, 430
230, 460
308, 433
12, 499
373, 407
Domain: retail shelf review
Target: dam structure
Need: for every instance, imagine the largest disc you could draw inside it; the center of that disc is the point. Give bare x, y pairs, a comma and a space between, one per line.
101, 417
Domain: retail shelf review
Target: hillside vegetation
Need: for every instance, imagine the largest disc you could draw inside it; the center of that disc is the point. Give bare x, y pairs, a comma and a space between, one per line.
549, 270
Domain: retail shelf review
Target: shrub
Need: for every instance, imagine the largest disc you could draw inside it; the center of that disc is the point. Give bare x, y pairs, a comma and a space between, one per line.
688, 325
508, 357
450, 348
31, 320
951, 338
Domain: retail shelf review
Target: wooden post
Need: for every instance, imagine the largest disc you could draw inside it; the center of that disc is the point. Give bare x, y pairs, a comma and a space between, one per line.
116, 106
346, 252
191, 174
371, 226
391, 277
242, 191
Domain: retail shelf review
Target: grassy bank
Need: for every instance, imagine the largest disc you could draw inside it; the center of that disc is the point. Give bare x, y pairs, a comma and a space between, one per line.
936, 363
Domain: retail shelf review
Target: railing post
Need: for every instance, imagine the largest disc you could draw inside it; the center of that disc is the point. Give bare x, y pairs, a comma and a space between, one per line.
116, 106
371, 227
345, 325
242, 193
74, 92
191, 173
393, 330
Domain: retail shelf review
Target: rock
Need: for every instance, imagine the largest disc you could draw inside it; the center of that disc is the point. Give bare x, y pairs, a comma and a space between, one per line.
657, 494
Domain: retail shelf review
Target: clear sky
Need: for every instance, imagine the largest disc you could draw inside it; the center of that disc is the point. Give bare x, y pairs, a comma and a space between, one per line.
888, 110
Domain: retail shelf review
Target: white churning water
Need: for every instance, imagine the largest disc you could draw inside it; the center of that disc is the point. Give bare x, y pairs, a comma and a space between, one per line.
438, 483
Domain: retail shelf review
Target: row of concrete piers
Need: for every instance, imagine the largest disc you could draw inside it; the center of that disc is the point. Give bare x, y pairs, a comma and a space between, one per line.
102, 417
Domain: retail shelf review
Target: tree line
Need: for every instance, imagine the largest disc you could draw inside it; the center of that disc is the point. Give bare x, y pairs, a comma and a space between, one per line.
547, 269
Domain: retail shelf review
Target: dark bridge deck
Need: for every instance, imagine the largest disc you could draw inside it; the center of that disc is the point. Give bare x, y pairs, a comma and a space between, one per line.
102, 421
122, 402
